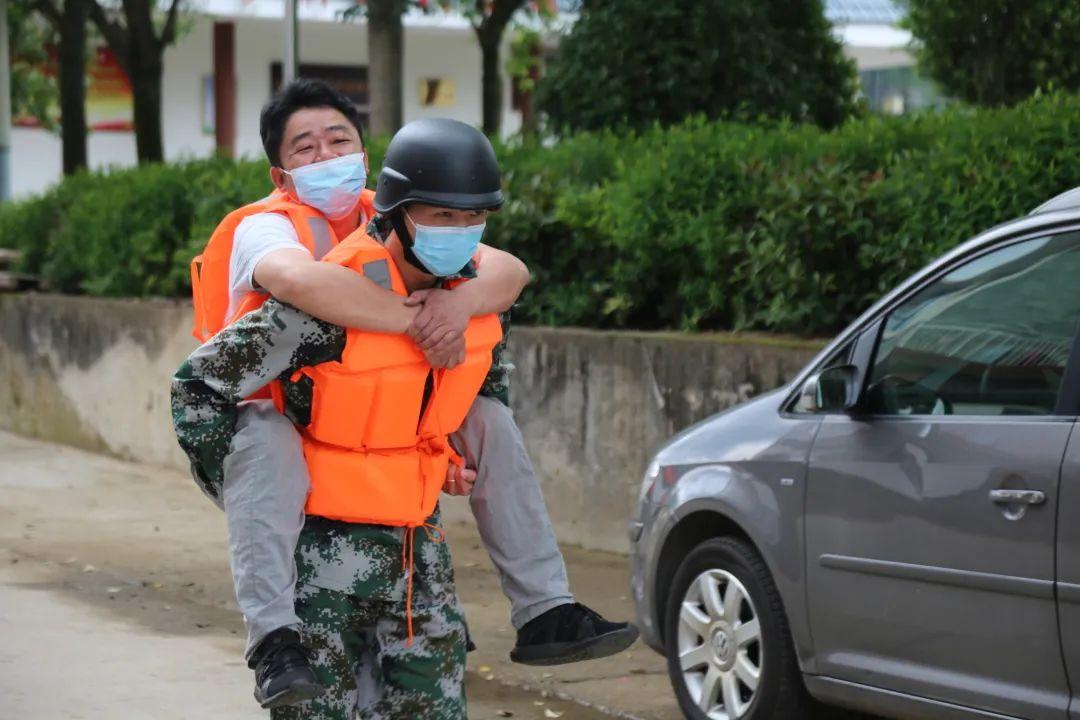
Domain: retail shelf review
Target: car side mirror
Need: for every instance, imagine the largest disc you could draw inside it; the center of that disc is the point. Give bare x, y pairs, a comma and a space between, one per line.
834, 389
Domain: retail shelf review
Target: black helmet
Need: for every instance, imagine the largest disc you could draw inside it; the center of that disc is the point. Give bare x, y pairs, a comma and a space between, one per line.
440, 162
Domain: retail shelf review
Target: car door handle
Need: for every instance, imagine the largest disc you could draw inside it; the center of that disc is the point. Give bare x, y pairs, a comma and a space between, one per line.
1029, 497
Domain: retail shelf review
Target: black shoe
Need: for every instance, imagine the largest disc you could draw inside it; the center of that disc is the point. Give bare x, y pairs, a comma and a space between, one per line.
470, 646
570, 633
283, 674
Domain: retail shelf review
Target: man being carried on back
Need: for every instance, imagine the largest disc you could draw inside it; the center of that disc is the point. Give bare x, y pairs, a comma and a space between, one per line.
312, 138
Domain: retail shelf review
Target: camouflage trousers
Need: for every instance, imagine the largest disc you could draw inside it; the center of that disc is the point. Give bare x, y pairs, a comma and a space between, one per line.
351, 601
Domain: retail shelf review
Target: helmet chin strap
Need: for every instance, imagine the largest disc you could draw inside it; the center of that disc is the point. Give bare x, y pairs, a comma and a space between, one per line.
397, 221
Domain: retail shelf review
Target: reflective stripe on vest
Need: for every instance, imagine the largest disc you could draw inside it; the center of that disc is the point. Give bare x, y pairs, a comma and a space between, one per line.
210, 287
376, 451
210, 269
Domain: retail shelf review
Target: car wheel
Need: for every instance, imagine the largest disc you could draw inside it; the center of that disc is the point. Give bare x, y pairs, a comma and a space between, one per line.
729, 650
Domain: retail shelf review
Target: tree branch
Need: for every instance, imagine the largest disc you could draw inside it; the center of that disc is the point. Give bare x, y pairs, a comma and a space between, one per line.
476, 17
49, 11
501, 12
504, 10
113, 31
168, 34
139, 29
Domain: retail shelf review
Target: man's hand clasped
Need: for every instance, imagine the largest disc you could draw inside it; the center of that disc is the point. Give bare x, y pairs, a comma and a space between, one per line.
439, 327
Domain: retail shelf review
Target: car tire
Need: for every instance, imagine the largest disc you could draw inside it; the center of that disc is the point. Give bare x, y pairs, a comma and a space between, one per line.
716, 634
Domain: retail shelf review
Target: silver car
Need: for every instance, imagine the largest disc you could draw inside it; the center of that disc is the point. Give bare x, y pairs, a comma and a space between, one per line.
898, 530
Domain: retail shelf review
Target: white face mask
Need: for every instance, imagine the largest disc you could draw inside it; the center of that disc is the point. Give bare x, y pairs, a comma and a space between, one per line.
331, 186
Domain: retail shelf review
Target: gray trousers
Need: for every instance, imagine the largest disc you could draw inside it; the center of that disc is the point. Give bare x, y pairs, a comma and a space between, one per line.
266, 486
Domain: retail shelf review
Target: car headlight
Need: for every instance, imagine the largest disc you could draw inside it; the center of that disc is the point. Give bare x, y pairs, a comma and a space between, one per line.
651, 474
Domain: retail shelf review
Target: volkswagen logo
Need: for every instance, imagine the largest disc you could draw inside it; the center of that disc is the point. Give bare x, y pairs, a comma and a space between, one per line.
721, 644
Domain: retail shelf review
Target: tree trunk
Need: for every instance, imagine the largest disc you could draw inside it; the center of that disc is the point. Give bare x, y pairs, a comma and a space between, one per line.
385, 51
72, 81
490, 37
145, 76
141, 53
530, 119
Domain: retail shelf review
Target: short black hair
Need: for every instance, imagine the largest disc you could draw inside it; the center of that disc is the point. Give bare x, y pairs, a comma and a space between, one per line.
300, 93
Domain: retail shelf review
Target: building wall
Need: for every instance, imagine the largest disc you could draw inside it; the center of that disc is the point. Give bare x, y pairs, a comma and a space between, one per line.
876, 58
448, 52
592, 406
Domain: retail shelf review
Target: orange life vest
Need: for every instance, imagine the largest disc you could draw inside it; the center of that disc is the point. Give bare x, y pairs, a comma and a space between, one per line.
376, 446
210, 269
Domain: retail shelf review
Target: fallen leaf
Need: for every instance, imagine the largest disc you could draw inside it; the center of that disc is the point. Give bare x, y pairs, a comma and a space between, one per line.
484, 669
549, 713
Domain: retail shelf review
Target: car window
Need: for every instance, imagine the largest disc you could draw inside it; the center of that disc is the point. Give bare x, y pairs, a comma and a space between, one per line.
990, 338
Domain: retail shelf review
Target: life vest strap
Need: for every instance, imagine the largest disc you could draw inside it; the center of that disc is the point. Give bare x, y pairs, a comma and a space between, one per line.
408, 556
199, 329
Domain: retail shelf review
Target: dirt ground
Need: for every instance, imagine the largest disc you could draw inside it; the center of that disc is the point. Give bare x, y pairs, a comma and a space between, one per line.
116, 601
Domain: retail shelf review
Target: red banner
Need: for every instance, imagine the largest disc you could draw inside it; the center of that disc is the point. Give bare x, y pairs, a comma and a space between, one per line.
108, 94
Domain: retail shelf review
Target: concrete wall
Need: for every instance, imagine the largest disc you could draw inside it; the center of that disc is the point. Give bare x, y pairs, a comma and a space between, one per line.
593, 406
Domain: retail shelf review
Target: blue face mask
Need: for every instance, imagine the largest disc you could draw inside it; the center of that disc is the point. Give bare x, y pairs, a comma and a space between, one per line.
444, 251
332, 186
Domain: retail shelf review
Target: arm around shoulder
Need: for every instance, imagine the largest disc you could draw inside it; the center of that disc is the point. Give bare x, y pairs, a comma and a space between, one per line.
500, 279
331, 292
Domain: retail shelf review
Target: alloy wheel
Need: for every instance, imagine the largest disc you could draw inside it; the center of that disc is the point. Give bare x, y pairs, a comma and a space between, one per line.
719, 645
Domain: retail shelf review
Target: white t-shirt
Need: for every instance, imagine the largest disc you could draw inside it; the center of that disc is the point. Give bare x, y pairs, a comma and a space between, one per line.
255, 237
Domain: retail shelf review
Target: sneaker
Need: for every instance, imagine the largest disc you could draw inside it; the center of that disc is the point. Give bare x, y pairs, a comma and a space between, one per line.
570, 633
470, 646
283, 674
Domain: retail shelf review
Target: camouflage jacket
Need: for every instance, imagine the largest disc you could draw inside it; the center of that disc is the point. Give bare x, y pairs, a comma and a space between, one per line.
268, 344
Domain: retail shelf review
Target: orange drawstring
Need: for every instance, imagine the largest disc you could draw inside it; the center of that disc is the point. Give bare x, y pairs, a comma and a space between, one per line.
435, 534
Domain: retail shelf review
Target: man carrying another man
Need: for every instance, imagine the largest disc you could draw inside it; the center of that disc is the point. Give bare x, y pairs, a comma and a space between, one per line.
248, 457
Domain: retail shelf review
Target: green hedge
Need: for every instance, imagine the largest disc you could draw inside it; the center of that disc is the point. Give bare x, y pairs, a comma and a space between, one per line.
130, 232
702, 226
720, 226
